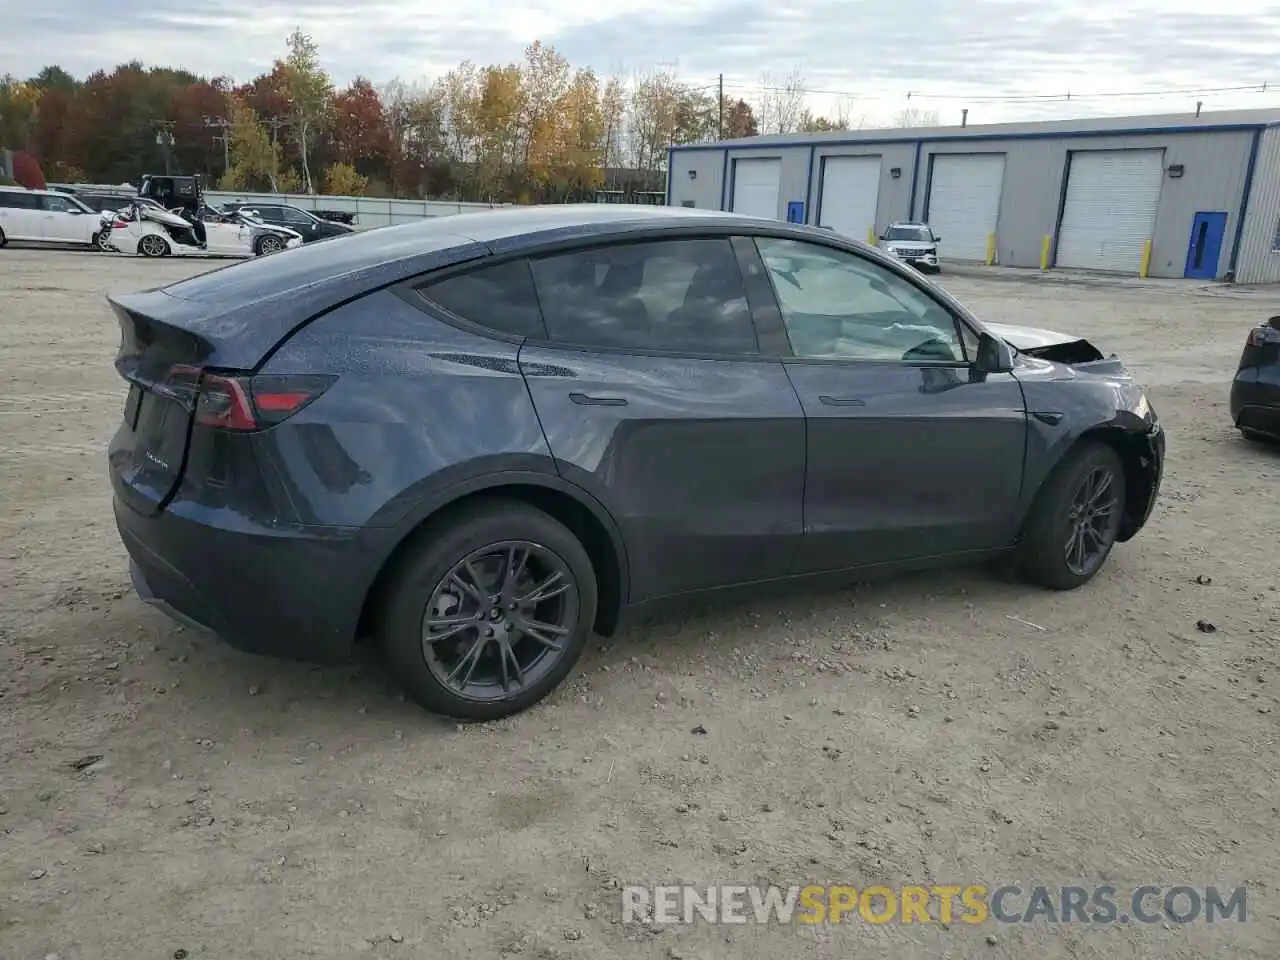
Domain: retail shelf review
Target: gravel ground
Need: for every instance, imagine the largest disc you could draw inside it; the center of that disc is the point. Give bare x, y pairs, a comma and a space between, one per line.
940, 729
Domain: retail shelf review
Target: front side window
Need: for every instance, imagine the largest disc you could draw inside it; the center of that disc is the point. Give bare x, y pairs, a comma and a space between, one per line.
57, 204
682, 296
498, 298
294, 217
837, 306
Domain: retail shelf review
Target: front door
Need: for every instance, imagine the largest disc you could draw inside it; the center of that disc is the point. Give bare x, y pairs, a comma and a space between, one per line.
655, 399
911, 454
65, 222
1205, 246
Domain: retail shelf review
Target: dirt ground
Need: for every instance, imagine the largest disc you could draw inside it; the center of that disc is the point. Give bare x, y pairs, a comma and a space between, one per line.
939, 729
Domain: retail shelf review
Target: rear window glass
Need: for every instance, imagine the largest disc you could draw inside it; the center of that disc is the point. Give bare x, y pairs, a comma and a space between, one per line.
499, 298
679, 295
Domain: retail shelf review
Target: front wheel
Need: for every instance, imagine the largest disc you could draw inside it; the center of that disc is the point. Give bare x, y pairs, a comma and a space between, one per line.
1075, 519
102, 240
489, 612
268, 245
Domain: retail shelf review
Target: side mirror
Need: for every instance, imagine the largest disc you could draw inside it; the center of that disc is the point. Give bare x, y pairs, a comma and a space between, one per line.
937, 239
994, 356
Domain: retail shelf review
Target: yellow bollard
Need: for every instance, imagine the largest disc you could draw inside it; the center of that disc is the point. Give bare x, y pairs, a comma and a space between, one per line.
872, 239
1044, 251
991, 249
1146, 260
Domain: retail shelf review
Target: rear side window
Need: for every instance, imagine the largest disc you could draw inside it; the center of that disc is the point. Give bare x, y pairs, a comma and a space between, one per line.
684, 296
19, 201
498, 298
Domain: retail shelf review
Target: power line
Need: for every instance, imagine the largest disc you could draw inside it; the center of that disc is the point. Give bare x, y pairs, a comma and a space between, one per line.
1264, 87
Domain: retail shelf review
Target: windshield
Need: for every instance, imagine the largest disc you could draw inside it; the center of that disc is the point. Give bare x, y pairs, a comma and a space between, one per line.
909, 233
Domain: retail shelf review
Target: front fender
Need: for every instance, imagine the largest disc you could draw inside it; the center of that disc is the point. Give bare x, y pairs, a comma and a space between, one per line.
1066, 410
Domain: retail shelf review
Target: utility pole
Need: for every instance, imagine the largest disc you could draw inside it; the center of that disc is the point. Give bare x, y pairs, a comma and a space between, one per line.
221, 123
720, 105
165, 140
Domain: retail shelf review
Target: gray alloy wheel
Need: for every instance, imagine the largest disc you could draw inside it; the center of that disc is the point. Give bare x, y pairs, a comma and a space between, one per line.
489, 609
153, 246
269, 244
102, 239
1075, 519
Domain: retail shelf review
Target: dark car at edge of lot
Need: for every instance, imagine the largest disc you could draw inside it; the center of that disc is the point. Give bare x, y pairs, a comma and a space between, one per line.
475, 439
1255, 390
310, 226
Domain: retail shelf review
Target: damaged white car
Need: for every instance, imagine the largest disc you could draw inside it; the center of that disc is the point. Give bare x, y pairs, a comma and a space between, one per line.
148, 230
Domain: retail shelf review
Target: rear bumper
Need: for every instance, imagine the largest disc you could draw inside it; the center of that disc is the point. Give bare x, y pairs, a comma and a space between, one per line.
294, 595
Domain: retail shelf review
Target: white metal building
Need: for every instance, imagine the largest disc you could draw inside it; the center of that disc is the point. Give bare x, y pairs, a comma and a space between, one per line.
1169, 196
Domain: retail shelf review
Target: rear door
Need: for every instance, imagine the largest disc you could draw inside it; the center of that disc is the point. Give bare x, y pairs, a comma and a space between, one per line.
20, 215
911, 454
655, 398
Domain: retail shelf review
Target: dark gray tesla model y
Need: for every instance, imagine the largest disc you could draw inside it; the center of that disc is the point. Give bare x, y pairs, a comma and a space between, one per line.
474, 440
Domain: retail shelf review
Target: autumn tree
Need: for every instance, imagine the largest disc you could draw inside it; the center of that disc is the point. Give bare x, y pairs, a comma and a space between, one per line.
739, 119
255, 159
360, 135
307, 93
343, 179
18, 104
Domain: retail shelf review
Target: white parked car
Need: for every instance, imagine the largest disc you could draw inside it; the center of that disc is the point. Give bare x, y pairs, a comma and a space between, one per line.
148, 230
46, 216
916, 243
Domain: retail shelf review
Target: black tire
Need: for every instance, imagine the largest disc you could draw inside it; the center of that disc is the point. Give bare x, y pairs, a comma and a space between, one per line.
431, 559
153, 245
1253, 436
100, 240
1043, 552
3, 239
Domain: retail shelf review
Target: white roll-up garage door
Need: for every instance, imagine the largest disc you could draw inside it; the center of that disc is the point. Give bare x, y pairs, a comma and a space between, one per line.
964, 203
850, 195
1112, 200
757, 185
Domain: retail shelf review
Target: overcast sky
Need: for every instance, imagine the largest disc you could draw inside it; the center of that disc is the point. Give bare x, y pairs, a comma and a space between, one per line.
869, 53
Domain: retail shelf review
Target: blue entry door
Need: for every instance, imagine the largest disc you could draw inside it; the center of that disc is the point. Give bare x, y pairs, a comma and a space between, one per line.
1203, 250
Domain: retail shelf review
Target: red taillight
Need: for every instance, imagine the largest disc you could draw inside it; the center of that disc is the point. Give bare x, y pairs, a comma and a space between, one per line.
119, 225
255, 403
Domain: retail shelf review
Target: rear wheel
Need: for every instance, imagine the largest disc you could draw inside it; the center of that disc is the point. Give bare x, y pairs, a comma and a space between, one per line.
102, 240
1075, 519
153, 246
489, 612
3, 239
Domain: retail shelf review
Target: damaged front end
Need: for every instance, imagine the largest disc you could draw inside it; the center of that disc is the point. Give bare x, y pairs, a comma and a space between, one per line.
1048, 345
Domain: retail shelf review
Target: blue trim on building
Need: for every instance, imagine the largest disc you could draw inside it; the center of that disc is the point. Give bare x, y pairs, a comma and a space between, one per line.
670, 154
948, 138
1244, 199
808, 182
724, 182
915, 176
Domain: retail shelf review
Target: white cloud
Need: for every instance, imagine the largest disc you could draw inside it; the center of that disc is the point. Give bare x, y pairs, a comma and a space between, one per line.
867, 53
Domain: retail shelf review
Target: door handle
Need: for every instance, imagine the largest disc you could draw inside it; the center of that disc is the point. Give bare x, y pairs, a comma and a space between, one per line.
842, 401
587, 400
